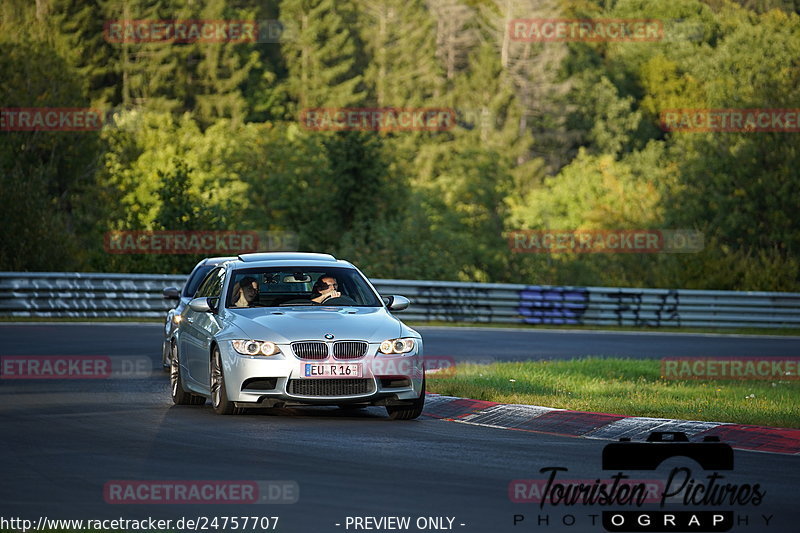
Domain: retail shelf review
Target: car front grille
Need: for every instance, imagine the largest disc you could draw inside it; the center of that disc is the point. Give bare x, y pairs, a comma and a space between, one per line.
349, 349
310, 350
330, 387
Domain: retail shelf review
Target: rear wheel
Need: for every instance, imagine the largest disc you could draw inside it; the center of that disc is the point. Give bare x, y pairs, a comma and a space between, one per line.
179, 395
219, 394
408, 412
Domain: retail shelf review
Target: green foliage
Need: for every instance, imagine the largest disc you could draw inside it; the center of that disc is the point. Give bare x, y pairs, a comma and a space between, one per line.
41, 173
322, 56
400, 42
548, 136
741, 188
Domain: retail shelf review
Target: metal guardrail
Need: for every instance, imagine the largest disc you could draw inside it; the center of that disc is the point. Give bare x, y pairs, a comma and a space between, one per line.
59, 294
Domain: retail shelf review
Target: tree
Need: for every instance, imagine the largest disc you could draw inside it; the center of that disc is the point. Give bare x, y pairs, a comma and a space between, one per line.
75, 30
222, 69
323, 57
456, 34
399, 39
535, 73
41, 172
741, 186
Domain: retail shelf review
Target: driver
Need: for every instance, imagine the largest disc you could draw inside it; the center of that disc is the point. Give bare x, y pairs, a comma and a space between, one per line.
324, 289
245, 292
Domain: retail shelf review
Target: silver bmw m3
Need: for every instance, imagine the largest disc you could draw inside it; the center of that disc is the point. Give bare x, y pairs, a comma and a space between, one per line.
287, 329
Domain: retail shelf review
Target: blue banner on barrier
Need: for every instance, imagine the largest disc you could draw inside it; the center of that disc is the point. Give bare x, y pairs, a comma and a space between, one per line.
553, 305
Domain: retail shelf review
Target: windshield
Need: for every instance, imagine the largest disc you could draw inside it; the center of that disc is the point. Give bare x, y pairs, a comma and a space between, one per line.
299, 286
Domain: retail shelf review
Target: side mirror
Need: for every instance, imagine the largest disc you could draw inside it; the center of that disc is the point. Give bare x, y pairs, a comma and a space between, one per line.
171, 293
201, 305
397, 303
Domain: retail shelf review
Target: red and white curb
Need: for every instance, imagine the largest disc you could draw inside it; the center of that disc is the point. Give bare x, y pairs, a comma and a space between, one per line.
605, 426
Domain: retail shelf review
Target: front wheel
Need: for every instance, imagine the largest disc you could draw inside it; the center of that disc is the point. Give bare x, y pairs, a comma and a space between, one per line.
408, 412
219, 394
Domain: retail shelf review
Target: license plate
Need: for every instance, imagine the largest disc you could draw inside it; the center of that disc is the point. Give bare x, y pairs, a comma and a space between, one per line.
352, 370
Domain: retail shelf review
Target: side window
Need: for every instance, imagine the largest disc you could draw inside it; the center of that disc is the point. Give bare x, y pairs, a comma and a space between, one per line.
212, 285
197, 278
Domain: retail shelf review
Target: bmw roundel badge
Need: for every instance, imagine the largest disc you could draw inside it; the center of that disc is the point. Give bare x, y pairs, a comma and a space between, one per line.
328, 336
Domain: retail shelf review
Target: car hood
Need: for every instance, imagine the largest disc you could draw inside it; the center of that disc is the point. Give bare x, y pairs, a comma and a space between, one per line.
294, 323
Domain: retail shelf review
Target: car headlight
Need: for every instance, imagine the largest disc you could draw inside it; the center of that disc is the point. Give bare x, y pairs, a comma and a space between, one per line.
391, 346
176, 319
250, 347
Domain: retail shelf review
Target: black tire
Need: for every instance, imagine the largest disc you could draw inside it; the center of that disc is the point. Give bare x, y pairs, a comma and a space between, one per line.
408, 412
179, 394
219, 393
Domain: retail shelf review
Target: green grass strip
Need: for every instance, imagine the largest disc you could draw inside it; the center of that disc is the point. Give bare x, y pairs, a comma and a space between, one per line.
631, 387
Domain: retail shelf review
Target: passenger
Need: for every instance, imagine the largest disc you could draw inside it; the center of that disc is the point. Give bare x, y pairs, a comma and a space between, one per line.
324, 289
245, 292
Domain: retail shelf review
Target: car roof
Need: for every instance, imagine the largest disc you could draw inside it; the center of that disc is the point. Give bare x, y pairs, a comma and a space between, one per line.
214, 261
285, 256
279, 259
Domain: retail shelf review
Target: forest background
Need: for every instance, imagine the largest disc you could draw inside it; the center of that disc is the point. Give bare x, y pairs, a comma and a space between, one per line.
549, 135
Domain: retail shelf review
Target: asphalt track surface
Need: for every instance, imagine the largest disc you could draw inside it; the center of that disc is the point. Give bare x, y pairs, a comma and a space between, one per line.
63, 441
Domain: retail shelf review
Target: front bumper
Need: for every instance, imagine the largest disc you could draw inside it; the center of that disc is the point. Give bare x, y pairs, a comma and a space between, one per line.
280, 380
